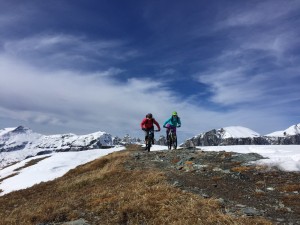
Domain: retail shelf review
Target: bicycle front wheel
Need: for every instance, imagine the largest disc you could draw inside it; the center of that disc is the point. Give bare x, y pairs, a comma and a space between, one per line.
170, 142
148, 145
175, 142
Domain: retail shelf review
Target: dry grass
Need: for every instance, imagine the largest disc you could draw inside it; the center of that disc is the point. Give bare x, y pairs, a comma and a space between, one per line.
11, 175
31, 162
241, 168
103, 192
9, 164
290, 187
291, 200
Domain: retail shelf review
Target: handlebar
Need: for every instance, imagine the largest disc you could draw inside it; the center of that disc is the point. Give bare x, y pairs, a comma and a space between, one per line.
152, 130
172, 126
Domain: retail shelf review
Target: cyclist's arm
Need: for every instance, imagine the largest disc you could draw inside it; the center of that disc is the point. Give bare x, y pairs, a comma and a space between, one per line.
142, 123
157, 124
179, 122
167, 121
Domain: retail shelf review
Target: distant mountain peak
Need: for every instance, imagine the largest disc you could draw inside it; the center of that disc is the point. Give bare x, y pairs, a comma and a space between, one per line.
15, 130
237, 132
292, 130
21, 129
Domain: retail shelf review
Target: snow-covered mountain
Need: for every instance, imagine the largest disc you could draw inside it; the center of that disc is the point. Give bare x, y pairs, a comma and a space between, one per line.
237, 135
20, 142
236, 132
292, 130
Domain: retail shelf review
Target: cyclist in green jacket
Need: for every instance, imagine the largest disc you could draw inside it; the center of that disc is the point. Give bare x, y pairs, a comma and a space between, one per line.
172, 123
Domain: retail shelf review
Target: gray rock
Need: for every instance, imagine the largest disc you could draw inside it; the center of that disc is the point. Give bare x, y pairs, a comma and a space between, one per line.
77, 222
251, 211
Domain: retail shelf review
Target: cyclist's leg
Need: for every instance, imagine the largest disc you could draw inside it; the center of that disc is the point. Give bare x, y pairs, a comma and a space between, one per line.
152, 136
146, 138
167, 133
175, 138
146, 134
169, 138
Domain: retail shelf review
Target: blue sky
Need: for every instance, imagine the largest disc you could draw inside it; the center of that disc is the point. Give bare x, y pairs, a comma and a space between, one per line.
83, 66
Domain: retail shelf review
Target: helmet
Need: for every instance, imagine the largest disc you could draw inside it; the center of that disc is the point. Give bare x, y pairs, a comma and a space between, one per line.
149, 115
174, 113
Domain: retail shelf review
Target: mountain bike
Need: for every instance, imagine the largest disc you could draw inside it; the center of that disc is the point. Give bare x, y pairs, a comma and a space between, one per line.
172, 138
150, 139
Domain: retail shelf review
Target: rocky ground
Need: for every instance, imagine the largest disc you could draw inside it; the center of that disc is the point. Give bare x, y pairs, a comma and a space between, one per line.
242, 188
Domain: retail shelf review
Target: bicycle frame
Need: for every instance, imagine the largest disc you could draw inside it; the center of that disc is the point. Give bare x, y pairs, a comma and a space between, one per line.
149, 140
172, 140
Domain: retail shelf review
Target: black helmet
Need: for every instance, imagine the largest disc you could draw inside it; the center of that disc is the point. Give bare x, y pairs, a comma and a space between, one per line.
149, 115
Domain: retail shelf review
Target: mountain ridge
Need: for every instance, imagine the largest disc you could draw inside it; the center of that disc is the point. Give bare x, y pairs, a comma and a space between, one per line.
14, 139
237, 135
19, 143
18, 138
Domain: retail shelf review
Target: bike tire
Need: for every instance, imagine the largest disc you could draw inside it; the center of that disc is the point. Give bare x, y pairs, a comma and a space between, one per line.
151, 138
175, 142
148, 145
170, 142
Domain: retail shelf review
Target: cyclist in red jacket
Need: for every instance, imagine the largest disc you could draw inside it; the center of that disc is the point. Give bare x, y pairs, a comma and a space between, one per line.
147, 124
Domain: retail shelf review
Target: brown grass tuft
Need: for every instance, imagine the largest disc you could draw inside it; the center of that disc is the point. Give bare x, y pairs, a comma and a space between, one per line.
241, 169
133, 147
290, 187
31, 162
291, 200
216, 178
11, 175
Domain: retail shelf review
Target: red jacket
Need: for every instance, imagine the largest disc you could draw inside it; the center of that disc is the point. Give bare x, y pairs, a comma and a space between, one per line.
148, 123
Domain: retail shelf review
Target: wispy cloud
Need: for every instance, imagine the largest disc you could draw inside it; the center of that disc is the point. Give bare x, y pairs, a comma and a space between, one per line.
69, 98
232, 86
258, 56
269, 26
263, 13
67, 50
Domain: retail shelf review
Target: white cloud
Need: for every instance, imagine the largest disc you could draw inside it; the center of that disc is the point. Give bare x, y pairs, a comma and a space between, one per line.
266, 29
258, 64
67, 51
261, 13
233, 86
74, 99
